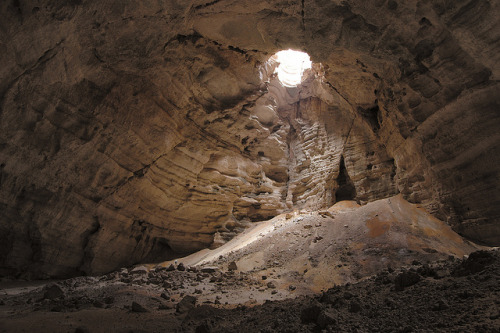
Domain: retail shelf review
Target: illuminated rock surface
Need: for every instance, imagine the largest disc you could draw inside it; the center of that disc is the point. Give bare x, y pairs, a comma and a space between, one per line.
135, 132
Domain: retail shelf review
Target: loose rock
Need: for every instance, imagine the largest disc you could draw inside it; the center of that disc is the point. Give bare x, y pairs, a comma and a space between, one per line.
232, 266
136, 307
139, 270
186, 304
53, 292
406, 279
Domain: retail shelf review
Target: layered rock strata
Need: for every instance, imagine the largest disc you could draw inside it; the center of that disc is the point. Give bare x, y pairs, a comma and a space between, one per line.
138, 131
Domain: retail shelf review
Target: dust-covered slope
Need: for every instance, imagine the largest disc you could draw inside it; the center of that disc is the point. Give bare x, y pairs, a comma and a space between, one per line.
314, 251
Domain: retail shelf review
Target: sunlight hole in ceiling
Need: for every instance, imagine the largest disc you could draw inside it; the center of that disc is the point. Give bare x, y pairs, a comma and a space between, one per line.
292, 65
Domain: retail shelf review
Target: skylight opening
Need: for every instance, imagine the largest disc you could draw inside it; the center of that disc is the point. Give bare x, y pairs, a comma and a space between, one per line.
292, 65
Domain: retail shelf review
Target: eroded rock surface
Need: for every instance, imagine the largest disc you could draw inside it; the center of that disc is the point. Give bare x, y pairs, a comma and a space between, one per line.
134, 132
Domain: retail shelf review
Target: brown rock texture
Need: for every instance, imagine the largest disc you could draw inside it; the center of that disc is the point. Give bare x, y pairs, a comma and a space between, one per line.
137, 131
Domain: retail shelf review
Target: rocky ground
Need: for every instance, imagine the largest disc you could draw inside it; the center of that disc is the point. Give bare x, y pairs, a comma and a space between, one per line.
448, 296
333, 270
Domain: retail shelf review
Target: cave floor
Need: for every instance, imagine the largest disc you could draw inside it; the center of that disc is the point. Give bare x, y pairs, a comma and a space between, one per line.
386, 266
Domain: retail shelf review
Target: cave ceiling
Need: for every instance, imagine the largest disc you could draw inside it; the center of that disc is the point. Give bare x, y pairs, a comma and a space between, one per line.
135, 131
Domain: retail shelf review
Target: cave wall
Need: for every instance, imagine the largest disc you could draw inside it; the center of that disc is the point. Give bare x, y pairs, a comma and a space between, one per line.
131, 130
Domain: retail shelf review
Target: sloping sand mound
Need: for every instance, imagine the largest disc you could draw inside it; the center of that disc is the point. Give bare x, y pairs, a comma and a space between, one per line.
314, 251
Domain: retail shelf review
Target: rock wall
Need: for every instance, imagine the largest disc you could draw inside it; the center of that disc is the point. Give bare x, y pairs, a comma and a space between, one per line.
138, 131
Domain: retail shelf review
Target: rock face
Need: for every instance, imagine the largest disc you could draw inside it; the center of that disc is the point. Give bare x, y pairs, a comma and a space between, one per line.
134, 132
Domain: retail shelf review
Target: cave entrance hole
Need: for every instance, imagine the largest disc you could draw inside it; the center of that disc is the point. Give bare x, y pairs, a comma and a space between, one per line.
346, 189
291, 67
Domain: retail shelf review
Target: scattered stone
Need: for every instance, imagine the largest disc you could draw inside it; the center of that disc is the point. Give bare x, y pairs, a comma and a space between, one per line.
165, 306
186, 304
53, 292
264, 277
495, 316
232, 266
271, 285
354, 307
326, 318
136, 307
325, 213
181, 267
139, 281
406, 279
308, 226
165, 296
475, 263
126, 280
310, 314
170, 268
139, 270
317, 238
209, 269
288, 216
291, 287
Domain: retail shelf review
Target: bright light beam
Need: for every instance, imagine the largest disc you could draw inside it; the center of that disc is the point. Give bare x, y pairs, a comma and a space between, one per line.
292, 66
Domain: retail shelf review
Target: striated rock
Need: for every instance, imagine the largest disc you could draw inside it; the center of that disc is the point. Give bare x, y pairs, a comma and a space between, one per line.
138, 133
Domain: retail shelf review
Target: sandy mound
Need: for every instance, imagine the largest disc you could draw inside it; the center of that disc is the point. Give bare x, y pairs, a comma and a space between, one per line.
314, 251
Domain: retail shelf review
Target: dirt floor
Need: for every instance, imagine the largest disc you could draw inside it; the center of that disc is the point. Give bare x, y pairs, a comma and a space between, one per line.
387, 266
